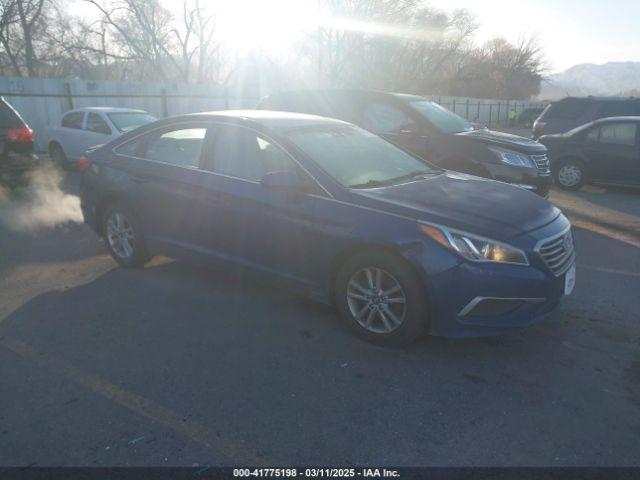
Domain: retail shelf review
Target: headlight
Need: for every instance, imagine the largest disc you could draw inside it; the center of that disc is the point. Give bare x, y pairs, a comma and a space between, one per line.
474, 248
512, 158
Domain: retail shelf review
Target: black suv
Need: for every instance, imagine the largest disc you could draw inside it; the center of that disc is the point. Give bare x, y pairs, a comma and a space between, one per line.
430, 131
16, 146
571, 112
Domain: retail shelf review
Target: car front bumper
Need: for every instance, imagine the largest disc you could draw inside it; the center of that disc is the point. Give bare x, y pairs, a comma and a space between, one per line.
530, 179
490, 301
470, 299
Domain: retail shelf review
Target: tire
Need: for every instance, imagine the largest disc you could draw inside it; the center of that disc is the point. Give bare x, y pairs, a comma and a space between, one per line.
58, 156
366, 312
123, 237
570, 174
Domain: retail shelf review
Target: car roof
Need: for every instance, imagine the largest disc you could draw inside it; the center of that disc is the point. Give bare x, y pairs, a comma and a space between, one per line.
600, 99
337, 91
618, 119
270, 118
107, 110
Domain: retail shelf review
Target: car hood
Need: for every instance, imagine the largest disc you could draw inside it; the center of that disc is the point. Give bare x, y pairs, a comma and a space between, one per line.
505, 140
477, 205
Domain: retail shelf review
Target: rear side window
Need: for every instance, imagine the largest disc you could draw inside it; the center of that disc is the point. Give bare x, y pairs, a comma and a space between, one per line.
618, 134
304, 102
73, 120
181, 147
569, 110
8, 117
242, 153
384, 118
619, 109
132, 148
96, 124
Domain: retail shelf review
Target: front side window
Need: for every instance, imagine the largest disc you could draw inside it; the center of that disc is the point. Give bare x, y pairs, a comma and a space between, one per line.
73, 120
96, 124
444, 120
242, 153
384, 118
355, 157
181, 147
618, 134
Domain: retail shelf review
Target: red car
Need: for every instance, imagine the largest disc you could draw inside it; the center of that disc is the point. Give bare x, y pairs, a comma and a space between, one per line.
16, 146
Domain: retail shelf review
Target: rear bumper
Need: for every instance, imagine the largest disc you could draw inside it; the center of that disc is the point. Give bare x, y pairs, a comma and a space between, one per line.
14, 165
90, 216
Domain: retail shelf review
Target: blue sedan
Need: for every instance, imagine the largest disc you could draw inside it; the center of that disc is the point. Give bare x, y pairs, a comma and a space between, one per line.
400, 247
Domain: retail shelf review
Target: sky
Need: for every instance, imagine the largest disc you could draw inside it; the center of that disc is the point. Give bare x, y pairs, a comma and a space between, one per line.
570, 31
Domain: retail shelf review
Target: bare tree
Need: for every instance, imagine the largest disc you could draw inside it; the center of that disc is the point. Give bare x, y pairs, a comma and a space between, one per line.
29, 13
8, 22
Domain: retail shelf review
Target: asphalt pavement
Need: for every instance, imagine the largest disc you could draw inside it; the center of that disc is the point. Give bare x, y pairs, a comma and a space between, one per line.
175, 364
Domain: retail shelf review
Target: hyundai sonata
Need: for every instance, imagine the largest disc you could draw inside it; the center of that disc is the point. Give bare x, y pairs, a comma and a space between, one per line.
399, 246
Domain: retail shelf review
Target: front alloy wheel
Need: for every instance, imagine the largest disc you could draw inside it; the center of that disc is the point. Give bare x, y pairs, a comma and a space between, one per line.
376, 300
381, 298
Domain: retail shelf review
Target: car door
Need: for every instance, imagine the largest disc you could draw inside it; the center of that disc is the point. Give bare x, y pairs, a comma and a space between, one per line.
165, 186
71, 134
396, 125
254, 225
96, 131
613, 152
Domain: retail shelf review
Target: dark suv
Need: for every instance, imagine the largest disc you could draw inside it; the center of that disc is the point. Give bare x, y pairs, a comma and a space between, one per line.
571, 112
16, 145
430, 131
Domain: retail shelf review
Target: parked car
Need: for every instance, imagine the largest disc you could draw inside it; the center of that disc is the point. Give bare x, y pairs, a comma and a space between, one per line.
528, 116
16, 146
83, 128
571, 112
606, 151
398, 245
430, 131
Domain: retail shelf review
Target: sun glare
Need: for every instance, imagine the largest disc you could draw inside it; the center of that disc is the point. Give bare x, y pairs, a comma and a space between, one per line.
264, 25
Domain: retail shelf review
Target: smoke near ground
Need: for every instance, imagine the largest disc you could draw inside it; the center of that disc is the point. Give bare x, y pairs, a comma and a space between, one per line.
40, 204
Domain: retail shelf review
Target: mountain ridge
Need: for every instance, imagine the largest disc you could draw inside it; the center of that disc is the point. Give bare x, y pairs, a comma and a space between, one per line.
611, 78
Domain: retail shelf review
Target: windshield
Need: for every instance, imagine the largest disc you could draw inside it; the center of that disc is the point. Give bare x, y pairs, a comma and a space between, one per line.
127, 121
444, 120
357, 158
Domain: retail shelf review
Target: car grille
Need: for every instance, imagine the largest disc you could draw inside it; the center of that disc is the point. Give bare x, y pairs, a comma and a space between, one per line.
541, 162
558, 253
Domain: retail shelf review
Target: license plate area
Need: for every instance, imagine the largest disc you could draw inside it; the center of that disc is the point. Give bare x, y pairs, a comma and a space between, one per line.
570, 280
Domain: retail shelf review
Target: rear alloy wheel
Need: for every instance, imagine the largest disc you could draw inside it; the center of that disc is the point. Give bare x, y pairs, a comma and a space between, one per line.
381, 298
124, 241
570, 175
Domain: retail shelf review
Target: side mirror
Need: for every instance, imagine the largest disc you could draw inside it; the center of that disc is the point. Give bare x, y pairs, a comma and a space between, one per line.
284, 181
